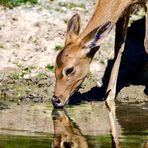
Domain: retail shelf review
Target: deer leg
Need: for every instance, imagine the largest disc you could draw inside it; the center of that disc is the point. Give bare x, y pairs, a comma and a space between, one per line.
121, 30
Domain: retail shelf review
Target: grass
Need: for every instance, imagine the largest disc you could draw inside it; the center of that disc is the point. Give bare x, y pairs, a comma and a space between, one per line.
13, 3
90, 76
24, 70
58, 47
15, 75
140, 14
50, 67
20, 74
41, 76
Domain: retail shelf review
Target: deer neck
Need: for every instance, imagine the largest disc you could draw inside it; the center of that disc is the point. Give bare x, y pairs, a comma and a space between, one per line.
106, 10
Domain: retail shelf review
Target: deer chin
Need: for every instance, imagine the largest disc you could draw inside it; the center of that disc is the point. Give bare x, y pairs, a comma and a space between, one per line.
75, 90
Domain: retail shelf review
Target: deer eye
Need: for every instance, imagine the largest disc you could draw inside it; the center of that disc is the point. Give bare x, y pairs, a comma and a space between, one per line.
69, 71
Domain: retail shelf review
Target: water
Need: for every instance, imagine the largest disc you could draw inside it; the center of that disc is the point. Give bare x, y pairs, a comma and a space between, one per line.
127, 141
7, 141
87, 125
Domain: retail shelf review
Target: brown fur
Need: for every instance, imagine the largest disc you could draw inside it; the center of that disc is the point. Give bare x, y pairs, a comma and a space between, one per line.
66, 132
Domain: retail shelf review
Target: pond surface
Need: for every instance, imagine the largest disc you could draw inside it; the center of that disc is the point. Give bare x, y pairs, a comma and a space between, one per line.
86, 125
128, 141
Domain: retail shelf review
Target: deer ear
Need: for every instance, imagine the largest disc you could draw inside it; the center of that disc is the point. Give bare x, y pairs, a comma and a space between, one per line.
73, 28
94, 38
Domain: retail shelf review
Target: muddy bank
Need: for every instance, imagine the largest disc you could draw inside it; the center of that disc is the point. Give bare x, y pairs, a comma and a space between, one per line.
91, 118
36, 89
39, 89
37, 118
133, 94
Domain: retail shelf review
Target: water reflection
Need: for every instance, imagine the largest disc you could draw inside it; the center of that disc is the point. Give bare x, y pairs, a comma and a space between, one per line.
133, 119
68, 135
66, 132
89, 126
111, 108
95, 126
146, 144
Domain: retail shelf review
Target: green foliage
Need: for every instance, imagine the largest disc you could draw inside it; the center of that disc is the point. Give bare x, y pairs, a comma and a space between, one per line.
20, 74
13, 3
41, 76
58, 47
15, 75
50, 67
140, 14
1, 46
90, 76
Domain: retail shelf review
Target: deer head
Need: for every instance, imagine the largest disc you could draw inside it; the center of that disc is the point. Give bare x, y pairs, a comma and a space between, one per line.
66, 132
72, 63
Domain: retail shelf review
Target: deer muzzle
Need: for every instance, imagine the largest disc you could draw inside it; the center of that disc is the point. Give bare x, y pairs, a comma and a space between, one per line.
57, 102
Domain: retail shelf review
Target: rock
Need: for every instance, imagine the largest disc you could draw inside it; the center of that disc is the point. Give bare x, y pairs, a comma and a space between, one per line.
38, 99
132, 94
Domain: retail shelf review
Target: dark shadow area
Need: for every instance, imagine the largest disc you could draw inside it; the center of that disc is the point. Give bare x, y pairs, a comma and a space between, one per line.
131, 68
134, 56
94, 94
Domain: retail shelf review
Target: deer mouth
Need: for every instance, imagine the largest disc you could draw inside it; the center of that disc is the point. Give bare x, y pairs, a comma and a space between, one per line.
58, 104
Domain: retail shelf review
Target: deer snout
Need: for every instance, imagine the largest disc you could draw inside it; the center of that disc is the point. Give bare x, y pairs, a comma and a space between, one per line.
57, 102
55, 114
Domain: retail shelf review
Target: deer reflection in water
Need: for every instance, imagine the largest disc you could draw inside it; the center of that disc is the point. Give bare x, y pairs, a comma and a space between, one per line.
68, 135
66, 132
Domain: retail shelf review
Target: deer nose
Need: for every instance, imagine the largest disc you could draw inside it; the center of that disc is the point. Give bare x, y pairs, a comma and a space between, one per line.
56, 102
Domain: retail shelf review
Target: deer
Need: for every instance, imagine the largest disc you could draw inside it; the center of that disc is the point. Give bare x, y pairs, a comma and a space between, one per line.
73, 61
66, 132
